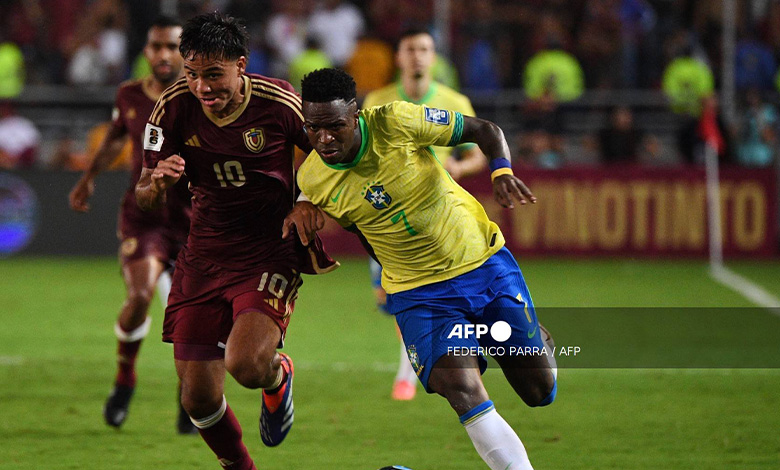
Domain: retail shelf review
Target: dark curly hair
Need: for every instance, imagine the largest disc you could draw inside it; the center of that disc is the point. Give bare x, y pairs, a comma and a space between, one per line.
323, 85
214, 36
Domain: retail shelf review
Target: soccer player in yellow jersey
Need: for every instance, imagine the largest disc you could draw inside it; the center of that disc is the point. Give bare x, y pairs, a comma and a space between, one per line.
415, 56
456, 292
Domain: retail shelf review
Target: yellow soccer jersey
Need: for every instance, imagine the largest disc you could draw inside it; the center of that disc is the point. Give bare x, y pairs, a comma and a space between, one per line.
423, 226
438, 96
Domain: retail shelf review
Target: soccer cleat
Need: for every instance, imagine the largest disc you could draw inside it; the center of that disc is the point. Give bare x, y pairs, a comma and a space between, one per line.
277, 414
403, 390
115, 409
184, 424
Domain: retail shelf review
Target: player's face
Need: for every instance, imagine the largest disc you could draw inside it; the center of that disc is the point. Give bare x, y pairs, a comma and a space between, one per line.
332, 129
416, 55
162, 52
216, 82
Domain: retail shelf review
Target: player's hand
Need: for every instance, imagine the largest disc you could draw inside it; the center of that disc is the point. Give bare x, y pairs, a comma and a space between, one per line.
167, 172
80, 193
307, 220
507, 188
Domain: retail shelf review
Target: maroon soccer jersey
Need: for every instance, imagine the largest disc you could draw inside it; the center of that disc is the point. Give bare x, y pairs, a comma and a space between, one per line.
240, 169
135, 101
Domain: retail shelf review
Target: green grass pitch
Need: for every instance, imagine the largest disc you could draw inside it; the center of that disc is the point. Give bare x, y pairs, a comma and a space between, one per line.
57, 363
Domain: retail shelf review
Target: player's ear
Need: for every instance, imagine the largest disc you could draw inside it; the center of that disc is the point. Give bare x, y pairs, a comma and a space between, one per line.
241, 64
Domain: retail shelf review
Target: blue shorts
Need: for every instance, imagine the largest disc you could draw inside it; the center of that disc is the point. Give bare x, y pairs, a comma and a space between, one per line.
454, 316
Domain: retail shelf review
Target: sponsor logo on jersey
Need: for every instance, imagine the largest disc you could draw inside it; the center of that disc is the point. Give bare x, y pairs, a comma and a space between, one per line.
437, 116
193, 141
131, 114
153, 138
254, 139
377, 196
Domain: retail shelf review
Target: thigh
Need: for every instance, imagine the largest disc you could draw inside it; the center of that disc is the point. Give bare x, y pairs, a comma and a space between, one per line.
428, 335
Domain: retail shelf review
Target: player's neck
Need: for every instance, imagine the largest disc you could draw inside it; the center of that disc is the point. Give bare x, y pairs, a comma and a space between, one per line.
416, 88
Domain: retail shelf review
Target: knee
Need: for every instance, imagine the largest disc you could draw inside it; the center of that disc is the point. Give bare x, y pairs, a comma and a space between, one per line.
462, 395
199, 401
541, 395
251, 372
138, 300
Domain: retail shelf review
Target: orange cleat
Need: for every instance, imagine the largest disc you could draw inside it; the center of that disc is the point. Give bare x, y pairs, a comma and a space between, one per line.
404, 390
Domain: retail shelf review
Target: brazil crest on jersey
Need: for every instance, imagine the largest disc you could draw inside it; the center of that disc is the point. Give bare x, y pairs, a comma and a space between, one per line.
423, 227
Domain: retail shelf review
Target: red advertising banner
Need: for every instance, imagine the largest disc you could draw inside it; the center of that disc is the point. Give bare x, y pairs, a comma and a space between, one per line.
625, 211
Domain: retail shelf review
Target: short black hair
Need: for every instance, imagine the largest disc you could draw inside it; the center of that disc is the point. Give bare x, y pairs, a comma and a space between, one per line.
165, 21
323, 85
214, 35
411, 31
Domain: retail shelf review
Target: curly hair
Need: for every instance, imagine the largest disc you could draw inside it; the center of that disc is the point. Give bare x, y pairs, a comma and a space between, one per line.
323, 85
214, 36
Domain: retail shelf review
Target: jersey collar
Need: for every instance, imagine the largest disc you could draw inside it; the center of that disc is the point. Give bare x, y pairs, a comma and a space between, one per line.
363, 146
428, 95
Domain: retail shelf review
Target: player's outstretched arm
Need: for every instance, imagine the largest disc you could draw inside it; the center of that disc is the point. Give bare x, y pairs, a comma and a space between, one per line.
151, 186
108, 151
306, 218
490, 138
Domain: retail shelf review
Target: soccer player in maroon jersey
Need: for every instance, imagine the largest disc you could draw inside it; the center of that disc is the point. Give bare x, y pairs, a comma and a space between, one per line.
150, 241
237, 278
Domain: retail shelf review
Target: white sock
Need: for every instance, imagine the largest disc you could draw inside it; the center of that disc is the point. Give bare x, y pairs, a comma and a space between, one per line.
494, 439
405, 370
164, 287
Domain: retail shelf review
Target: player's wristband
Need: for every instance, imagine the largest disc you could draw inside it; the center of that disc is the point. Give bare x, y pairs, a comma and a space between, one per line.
500, 166
302, 197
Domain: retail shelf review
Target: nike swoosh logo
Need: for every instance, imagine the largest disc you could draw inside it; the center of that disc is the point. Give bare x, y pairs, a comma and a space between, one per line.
532, 333
336, 197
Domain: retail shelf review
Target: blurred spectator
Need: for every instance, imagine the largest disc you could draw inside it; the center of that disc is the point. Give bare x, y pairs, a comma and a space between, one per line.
312, 58
286, 34
19, 139
621, 141
337, 25
598, 43
11, 70
555, 72
755, 65
541, 145
99, 48
686, 82
757, 137
637, 20
371, 65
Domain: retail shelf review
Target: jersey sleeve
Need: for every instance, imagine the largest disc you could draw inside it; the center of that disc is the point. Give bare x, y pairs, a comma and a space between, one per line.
427, 126
160, 139
466, 109
118, 118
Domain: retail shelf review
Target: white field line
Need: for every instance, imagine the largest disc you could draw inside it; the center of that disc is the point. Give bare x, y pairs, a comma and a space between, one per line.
11, 360
748, 289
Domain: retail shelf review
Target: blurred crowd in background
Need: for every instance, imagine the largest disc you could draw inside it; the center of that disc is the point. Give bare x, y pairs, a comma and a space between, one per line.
541, 58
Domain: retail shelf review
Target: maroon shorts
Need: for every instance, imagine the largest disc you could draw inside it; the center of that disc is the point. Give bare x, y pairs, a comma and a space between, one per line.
206, 299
